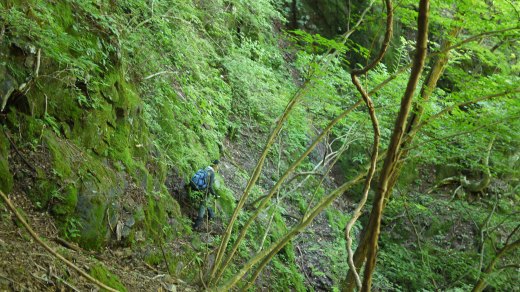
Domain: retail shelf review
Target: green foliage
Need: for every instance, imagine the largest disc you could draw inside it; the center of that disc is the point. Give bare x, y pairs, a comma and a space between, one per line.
99, 272
227, 199
445, 248
72, 228
130, 89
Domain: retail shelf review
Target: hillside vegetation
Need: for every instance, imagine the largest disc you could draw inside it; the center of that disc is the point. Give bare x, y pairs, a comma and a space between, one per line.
369, 146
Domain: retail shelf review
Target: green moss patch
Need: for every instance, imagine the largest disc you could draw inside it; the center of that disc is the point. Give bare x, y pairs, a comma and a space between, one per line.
99, 272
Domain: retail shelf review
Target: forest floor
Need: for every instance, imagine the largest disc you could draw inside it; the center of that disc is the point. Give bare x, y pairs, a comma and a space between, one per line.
27, 266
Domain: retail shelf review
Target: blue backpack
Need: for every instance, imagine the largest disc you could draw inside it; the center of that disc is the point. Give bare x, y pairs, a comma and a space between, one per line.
200, 179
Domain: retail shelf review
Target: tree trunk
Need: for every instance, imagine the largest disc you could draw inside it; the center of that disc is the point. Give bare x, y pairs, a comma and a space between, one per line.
372, 233
438, 67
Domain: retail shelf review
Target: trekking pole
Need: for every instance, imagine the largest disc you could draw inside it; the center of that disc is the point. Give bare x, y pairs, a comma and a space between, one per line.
164, 257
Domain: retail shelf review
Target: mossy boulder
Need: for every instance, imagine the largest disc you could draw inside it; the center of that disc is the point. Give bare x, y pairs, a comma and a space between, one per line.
88, 187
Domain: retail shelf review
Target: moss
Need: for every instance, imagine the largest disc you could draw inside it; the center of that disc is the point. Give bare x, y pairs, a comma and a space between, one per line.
119, 142
67, 202
61, 157
154, 258
155, 216
88, 199
226, 200
139, 215
29, 127
94, 230
99, 272
6, 178
179, 264
159, 208
41, 194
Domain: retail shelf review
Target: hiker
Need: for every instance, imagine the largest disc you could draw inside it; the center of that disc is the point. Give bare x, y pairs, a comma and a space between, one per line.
203, 181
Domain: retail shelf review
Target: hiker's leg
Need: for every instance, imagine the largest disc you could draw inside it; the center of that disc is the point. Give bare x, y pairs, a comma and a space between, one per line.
211, 213
200, 215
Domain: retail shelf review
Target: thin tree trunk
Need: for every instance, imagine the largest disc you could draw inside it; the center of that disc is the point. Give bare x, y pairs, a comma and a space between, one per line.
368, 246
267, 254
258, 168
377, 134
256, 174
275, 188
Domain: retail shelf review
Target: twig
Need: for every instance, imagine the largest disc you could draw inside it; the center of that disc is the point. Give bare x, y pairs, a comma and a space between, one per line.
67, 244
159, 73
38, 59
65, 283
109, 224
303, 267
18, 151
151, 268
483, 230
158, 276
2, 32
46, 281
165, 259
51, 274
45, 112
202, 280
266, 232
49, 249
509, 267
455, 193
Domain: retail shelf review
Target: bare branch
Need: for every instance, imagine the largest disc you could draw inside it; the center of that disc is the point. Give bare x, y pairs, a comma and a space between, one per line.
160, 73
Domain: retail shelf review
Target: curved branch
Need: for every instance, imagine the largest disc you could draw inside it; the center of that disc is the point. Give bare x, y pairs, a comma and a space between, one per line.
395, 142
386, 41
377, 134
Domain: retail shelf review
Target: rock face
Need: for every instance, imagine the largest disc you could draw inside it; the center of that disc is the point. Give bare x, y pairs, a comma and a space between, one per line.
80, 123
